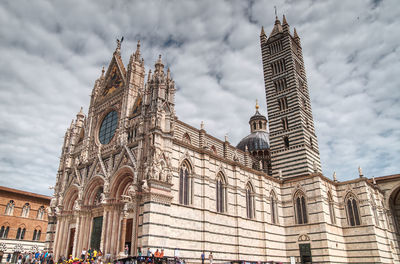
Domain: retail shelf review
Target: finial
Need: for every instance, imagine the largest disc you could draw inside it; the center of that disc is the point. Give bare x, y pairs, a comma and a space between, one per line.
137, 53
202, 125
226, 137
168, 74
276, 13
373, 180
360, 173
257, 106
119, 44
102, 72
81, 111
334, 176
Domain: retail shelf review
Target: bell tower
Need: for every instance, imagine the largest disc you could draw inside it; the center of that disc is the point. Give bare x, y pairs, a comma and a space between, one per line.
293, 143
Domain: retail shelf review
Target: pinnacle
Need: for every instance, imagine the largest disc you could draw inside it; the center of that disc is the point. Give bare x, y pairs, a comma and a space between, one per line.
262, 31
284, 20
295, 33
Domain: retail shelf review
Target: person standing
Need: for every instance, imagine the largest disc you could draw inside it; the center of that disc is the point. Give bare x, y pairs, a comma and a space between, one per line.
210, 257
202, 257
83, 254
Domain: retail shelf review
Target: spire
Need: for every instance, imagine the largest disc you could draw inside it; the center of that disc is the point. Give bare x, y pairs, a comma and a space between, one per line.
149, 76
168, 74
137, 53
277, 27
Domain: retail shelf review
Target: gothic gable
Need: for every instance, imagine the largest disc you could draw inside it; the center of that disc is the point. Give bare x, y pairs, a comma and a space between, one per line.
115, 76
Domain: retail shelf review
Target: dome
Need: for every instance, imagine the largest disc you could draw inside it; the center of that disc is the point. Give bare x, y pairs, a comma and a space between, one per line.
257, 116
258, 140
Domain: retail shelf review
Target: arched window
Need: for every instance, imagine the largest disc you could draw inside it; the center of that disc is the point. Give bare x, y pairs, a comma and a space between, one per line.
274, 208
185, 183
5, 234
40, 213
331, 208
25, 210
250, 203
2, 230
353, 215
221, 193
20, 233
10, 208
300, 208
36, 234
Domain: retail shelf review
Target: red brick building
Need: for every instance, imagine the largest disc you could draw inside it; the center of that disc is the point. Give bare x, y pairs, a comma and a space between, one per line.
23, 222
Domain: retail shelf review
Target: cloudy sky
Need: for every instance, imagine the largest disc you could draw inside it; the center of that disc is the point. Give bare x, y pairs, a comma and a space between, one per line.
53, 51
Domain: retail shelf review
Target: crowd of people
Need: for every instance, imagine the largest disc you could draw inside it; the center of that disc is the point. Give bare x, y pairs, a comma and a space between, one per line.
43, 257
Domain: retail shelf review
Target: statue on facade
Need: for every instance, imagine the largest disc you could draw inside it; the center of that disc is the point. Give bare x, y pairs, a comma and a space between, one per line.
102, 198
77, 205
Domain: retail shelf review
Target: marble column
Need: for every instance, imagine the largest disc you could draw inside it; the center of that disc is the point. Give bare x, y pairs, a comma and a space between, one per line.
123, 234
103, 242
77, 231
57, 238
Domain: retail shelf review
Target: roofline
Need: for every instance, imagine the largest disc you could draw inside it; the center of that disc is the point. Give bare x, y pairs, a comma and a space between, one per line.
36, 195
386, 178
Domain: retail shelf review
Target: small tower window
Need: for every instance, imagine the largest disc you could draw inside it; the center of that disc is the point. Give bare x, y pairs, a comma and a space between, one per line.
285, 124
286, 141
283, 104
254, 125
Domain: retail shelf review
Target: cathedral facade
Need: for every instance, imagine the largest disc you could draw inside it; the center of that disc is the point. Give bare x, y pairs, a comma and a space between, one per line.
133, 175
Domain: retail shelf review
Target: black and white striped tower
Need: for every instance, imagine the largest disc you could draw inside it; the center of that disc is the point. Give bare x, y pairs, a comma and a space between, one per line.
293, 143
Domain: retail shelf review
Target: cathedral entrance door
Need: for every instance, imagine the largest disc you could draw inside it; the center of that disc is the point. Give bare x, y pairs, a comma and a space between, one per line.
71, 241
96, 233
128, 234
305, 253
